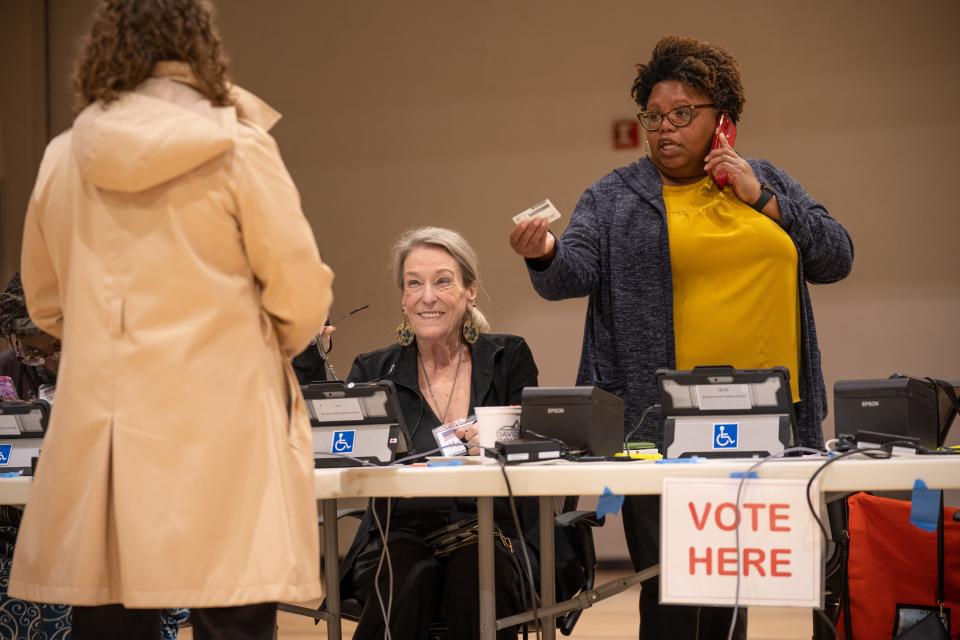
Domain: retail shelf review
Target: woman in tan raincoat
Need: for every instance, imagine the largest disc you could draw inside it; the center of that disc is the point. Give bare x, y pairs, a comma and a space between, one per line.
165, 246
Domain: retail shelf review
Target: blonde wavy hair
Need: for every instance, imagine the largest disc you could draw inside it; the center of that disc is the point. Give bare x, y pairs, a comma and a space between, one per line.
128, 37
454, 244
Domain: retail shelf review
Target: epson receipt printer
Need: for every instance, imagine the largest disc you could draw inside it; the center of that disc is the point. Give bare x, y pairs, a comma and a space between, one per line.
725, 412
583, 418
920, 408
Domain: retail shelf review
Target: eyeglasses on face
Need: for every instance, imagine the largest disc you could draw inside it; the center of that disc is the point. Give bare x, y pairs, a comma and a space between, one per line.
678, 116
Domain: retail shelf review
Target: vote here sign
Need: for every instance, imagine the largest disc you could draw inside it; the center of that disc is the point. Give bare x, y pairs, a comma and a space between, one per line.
777, 557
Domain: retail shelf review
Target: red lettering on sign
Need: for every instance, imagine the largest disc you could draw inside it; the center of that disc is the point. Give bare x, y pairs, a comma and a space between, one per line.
778, 558
699, 522
727, 561
727, 516
753, 558
707, 561
775, 516
754, 508
727, 506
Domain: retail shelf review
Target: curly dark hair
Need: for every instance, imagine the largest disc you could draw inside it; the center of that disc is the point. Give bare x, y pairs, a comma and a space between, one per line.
708, 68
14, 319
128, 37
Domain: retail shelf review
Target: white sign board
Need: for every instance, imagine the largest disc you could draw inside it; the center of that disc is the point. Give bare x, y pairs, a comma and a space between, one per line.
777, 557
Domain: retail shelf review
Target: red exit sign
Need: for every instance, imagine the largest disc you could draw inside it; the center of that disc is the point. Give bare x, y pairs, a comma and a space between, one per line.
626, 134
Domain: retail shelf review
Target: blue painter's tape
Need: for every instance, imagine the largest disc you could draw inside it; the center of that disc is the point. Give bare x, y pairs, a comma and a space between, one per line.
924, 506
609, 502
744, 474
445, 463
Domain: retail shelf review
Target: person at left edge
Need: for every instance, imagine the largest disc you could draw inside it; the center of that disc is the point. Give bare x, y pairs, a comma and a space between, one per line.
165, 246
32, 364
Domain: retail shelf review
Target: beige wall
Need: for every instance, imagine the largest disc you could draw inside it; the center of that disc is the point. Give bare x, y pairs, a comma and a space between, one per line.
464, 113
23, 118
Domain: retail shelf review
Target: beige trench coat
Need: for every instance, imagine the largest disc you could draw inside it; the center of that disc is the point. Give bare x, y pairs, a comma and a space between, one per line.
165, 244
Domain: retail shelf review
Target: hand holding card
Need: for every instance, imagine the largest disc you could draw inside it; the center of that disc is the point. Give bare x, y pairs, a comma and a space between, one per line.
544, 210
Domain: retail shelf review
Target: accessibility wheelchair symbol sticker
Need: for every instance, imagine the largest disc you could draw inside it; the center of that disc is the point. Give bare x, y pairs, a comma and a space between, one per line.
343, 441
5, 453
725, 435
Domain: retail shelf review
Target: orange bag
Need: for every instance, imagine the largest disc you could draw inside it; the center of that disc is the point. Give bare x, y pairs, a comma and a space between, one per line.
892, 561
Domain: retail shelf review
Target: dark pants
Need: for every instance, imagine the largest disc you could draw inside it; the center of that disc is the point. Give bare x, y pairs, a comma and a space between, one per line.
115, 622
427, 589
641, 526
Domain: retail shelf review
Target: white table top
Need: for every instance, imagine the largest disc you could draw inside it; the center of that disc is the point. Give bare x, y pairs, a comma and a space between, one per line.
590, 479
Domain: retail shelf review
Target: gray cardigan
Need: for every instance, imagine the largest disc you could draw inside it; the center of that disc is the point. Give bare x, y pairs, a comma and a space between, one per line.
616, 251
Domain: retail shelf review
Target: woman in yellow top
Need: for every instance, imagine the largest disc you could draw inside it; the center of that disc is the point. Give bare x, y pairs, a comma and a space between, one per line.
680, 272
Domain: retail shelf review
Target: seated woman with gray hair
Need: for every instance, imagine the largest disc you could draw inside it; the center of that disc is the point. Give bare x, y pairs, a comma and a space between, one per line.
443, 365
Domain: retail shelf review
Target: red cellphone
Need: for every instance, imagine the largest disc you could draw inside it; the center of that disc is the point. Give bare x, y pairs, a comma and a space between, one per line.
727, 128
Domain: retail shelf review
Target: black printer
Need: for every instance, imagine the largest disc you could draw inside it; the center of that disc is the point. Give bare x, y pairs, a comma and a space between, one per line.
900, 405
583, 418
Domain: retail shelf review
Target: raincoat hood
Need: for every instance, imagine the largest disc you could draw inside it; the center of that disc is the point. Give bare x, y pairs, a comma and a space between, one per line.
160, 131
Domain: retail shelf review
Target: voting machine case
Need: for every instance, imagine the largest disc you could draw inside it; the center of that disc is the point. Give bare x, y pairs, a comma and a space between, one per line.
355, 420
22, 427
755, 403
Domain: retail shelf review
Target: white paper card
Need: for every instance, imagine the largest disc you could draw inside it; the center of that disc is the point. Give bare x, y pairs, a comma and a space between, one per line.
544, 209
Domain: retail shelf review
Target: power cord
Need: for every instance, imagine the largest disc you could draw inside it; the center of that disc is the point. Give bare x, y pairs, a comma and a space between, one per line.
883, 453
535, 600
736, 532
643, 416
361, 461
414, 456
564, 448
384, 555
387, 609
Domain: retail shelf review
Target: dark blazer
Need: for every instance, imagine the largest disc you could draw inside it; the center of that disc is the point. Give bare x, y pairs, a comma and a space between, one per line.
502, 365
309, 366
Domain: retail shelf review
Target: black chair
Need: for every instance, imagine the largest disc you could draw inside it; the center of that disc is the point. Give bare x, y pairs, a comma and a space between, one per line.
836, 598
575, 526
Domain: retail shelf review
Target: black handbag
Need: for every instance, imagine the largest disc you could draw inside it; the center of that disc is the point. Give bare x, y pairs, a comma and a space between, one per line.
919, 622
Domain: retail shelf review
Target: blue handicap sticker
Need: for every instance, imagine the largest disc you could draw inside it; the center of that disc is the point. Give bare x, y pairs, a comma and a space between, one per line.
343, 442
725, 435
5, 453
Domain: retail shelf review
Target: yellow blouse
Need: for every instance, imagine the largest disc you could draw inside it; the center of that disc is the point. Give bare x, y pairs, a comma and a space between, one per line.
735, 298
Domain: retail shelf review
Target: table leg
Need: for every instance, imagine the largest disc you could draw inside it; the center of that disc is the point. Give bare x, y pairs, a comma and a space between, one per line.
547, 560
331, 570
488, 609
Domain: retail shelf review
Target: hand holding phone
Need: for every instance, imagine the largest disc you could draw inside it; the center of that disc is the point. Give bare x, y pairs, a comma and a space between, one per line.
726, 127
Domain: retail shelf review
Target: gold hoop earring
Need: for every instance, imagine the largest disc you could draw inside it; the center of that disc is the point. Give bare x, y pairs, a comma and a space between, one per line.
404, 332
471, 332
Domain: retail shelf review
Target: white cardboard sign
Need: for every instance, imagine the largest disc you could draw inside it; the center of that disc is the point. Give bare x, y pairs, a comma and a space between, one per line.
778, 557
